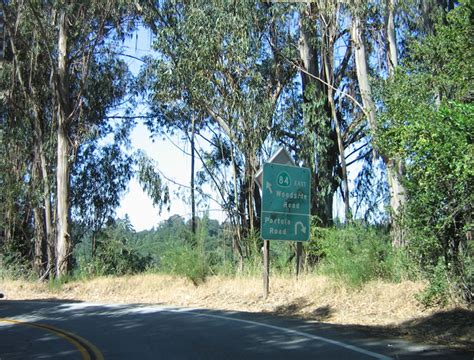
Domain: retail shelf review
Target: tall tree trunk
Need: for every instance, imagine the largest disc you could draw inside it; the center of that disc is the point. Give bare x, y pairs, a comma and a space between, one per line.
193, 199
342, 158
252, 167
12, 210
39, 242
63, 241
394, 167
38, 217
8, 227
321, 134
392, 52
48, 210
328, 56
48, 216
237, 239
48, 224
309, 60
363, 73
242, 202
397, 200
63, 238
308, 53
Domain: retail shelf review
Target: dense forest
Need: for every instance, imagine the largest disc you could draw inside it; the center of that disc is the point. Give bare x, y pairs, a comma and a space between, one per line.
373, 96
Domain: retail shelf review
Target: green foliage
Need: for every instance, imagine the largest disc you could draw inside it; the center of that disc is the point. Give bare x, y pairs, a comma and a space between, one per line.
232, 69
185, 261
356, 254
216, 68
114, 254
56, 283
97, 82
282, 255
319, 151
445, 59
183, 253
438, 291
14, 265
150, 180
428, 122
99, 180
176, 250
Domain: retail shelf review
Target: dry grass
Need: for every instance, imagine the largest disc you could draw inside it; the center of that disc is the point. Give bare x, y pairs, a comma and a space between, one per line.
378, 305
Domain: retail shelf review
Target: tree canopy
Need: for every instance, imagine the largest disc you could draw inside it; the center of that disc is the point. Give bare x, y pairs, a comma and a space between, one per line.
375, 97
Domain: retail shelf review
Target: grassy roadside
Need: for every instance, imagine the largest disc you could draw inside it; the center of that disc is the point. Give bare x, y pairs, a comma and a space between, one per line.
377, 307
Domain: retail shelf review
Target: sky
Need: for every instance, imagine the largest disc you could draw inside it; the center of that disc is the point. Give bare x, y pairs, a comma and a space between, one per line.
136, 203
169, 160
173, 164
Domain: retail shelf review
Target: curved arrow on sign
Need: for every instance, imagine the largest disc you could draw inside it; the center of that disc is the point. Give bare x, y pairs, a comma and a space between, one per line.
303, 228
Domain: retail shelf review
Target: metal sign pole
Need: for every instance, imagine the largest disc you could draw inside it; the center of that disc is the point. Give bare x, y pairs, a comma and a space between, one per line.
299, 252
266, 268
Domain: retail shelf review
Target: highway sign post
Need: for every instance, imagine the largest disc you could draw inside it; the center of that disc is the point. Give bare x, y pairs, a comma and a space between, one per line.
286, 206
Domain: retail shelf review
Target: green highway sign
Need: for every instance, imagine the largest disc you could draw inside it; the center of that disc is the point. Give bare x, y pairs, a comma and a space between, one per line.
286, 202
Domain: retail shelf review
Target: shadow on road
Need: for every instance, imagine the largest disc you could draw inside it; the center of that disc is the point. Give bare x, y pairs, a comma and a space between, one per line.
442, 327
453, 328
128, 320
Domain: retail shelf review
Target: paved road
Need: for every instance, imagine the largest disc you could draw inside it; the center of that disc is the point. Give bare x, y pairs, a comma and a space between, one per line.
74, 330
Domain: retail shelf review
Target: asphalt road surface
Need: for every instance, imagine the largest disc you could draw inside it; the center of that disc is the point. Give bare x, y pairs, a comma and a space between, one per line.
74, 330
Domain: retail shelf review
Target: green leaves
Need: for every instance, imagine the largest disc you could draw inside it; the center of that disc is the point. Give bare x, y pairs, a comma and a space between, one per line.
99, 179
356, 254
115, 253
428, 123
150, 180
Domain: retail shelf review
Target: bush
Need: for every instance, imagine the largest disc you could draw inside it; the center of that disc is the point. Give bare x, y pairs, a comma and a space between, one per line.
14, 266
437, 292
113, 257
357, 254
184, 261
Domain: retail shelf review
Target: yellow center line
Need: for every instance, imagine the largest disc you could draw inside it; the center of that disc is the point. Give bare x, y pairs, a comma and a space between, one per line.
85, 347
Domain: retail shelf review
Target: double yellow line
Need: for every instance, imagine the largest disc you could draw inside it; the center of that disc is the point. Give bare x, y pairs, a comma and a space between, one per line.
88, 351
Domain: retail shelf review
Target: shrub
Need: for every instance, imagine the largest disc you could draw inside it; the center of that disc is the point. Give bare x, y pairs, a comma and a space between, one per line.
184, 261
113, 257
437, 292
15, 266
357, 254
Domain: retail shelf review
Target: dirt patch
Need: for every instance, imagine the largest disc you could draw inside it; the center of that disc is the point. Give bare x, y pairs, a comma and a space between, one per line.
377, 307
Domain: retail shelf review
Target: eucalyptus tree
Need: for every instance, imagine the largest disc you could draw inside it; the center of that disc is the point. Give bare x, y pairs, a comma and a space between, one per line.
66, 75
236, 67
99, 178
27, 104
359, 37
330, 112
372, 36
214, 62
87, 79
318, 152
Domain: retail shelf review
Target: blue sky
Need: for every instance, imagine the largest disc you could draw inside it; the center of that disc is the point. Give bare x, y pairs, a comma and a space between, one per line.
169, 159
